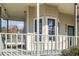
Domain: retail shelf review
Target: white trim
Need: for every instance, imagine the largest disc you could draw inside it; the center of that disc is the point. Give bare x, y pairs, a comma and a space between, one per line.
37, 28
46, 19
75, 11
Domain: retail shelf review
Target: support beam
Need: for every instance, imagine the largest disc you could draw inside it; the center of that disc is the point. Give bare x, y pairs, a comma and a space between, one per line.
37, 28
75, 19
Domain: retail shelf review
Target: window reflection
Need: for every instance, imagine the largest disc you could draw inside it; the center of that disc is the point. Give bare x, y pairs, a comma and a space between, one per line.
11, 26
3, 25
16, 26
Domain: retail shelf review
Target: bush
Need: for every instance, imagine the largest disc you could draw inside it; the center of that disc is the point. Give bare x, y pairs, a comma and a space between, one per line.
72, 51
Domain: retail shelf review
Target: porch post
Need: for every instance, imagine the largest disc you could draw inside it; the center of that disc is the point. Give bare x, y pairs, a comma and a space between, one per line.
75, 19
28, 44
0, 19
37, 28
27, 28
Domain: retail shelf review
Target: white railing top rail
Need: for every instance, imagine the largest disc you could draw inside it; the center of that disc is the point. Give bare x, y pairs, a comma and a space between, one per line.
36, 34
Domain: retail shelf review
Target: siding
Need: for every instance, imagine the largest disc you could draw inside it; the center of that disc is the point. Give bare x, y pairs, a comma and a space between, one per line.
52, 11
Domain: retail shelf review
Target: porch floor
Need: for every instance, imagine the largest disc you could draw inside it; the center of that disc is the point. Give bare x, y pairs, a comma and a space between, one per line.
20, 52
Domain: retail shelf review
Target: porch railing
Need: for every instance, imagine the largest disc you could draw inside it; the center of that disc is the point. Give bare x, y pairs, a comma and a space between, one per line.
26, 44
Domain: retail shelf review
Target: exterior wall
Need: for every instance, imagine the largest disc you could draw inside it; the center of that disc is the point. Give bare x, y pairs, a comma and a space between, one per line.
50, 11
32, 15
64, 20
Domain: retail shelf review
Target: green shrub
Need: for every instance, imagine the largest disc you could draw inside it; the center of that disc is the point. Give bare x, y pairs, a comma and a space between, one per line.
72, 51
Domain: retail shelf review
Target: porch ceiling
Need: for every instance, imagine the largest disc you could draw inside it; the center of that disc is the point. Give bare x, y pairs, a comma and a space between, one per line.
67, 8
16, 10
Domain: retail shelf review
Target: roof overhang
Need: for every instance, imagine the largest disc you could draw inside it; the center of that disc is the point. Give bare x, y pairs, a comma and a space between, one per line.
16, 10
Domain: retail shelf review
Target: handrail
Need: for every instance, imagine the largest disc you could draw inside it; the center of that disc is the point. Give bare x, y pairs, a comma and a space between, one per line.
39, 34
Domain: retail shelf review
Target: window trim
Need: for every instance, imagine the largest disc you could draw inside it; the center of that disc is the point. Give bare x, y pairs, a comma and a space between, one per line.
56, 24
34, 24
48, 17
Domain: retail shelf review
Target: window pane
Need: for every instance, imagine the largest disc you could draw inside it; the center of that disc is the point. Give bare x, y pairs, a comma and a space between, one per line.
3, 26
16, 26
51, 25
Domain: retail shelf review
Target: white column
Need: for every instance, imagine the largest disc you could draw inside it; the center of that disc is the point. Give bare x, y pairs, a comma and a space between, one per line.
37, 28
56, 33
25, 24
27, 29
75, 18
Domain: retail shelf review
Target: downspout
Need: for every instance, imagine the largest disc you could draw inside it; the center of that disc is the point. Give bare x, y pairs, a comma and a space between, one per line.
75, 19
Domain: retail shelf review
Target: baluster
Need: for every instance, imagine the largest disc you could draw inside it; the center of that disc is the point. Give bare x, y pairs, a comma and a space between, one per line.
16, 35
62, 42
59, 42
55, 43
31, 44
44, 43
48, 44
69, 42
41, 42
26, 44
22, 44
6, 41
52, 45
72, 41
11, 43
65, 42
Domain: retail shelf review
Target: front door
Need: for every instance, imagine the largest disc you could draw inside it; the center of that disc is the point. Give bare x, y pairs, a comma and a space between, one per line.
70, 33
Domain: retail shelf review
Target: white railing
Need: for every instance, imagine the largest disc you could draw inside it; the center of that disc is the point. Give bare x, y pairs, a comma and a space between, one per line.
26, 44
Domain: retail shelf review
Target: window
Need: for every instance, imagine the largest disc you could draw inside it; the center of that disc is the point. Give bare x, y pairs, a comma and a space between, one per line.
3, 26
15, 26
40, 28
51, 28
12, 26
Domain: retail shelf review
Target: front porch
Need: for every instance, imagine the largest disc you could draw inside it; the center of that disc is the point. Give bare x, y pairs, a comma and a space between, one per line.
28, 46
24, 33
